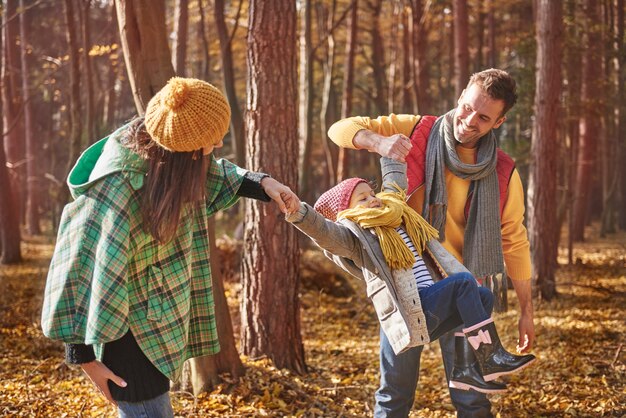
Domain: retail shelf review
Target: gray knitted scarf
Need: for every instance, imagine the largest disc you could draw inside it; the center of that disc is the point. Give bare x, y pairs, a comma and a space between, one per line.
482, 248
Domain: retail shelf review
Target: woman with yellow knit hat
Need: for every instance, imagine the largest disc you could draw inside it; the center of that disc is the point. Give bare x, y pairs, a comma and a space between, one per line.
129, 286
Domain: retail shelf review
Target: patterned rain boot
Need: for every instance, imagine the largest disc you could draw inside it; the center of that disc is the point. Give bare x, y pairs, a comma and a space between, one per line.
466, 373
493, 359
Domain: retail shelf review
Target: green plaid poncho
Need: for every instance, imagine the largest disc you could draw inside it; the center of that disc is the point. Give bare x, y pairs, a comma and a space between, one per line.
108, 275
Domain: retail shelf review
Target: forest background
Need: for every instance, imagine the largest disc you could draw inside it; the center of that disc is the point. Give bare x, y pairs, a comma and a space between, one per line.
74, 70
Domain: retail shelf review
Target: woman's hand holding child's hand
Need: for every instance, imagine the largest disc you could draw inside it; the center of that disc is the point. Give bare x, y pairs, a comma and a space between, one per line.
286, 200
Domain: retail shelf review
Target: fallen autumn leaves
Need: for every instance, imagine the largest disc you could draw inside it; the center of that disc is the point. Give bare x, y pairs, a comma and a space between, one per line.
580, 337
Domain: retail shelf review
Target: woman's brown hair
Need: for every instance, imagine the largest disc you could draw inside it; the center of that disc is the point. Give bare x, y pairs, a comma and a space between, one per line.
175, 182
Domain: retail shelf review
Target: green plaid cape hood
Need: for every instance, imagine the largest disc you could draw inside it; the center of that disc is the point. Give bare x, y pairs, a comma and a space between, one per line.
108, 275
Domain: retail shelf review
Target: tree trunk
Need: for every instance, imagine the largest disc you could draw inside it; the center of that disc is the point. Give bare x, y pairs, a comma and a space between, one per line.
270, 313
393, 46
491, 41
90, 114
589, 122
75, 124
205, 64
621, 94
378, 58
9, 216
32, 157
179, 46
146, 51
348, 86
574, 63
12, 106
461, 50
609, 141
205, 371
326, 19
542, 189
305, 99
407, 91
421, 78
480, 35
228, 73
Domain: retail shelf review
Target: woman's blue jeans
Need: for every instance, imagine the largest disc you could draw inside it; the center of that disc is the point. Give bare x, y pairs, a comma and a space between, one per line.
447, 304
159, 407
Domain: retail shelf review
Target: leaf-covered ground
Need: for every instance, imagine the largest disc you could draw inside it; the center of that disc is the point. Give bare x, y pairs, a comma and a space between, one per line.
580, 336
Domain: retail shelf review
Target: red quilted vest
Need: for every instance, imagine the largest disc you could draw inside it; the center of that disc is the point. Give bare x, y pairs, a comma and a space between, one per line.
417, 158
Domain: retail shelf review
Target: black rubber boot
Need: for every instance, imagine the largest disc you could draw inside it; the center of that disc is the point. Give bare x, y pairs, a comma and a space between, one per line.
466, 374
493, 359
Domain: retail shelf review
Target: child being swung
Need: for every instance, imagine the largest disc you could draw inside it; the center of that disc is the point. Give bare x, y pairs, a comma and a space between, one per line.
378, 238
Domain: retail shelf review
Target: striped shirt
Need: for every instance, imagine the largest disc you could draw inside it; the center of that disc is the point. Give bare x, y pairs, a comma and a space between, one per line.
420, 272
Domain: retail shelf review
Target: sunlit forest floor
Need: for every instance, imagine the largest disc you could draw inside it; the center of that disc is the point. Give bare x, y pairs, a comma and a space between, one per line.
580, 336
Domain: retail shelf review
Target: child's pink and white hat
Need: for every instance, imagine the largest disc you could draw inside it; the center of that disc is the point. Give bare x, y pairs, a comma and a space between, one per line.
334, 200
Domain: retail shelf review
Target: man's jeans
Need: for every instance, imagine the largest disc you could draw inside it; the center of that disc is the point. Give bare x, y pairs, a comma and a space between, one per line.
159, 407
399, 373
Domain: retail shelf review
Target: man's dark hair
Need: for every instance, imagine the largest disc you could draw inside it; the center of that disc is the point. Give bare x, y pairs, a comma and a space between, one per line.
498, 84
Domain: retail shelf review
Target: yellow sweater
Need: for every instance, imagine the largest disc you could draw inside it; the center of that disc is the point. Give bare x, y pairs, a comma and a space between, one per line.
515, 243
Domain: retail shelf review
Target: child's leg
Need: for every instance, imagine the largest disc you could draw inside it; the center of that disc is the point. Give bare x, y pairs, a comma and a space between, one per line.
454, 301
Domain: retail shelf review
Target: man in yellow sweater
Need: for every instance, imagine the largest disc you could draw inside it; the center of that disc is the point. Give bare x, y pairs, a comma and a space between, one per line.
471, 192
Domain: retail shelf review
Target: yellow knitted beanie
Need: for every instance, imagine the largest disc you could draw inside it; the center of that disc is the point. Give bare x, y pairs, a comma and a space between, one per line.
187, 114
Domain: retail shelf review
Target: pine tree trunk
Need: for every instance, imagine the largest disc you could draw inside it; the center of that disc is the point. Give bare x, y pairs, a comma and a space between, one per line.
11, 105
228, 72
90, 111
421, 82
461, 50
75, 124
621, 94
378, 58
204, 66
542, 189
146, 51
589, 122
305, 96
9, 217
343, 159
407, 91
181, 23
270, 313
32, 157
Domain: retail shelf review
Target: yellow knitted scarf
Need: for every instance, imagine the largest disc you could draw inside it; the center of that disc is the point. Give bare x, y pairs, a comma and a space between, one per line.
384, 221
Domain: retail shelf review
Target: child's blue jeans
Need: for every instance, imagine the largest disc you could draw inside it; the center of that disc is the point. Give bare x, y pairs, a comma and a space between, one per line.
456, 300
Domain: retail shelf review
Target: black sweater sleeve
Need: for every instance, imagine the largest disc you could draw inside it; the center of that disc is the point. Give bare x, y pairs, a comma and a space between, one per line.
251, 186
79, 353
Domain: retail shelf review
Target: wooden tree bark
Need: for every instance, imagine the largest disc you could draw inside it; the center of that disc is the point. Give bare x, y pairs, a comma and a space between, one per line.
590, 121
87, 68
326, 15
204, 371
406, 91
378, 58
9, 216
179, 46
421, 78
270, 312
12, 105
491, 40
32, 157
621, 94
305, 101
343, 160
228, 74
542, 189
393, 46
205, 60
74, 103
461, 50
146, 51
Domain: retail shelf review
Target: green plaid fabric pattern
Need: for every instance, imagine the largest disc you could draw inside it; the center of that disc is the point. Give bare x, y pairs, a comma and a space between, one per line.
108, 275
